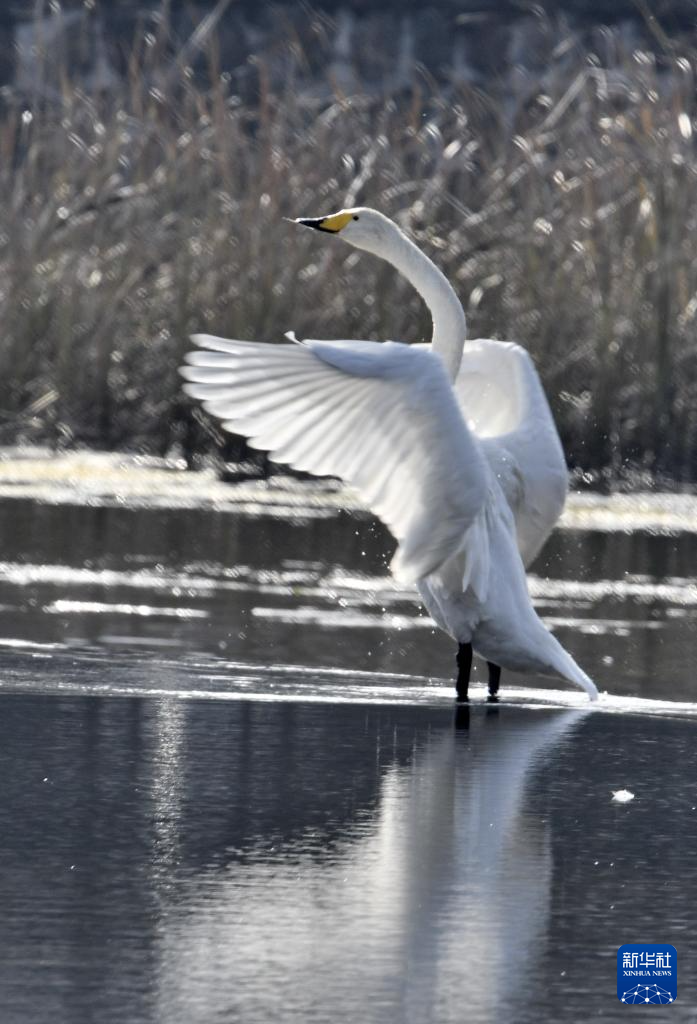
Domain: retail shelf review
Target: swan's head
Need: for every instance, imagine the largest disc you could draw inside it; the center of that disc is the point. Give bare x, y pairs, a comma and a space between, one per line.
360, 226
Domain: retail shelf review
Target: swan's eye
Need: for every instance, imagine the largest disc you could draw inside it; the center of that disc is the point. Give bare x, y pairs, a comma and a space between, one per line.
355, 216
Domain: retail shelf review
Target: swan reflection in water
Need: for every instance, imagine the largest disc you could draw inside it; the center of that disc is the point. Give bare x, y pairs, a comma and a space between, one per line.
432, 905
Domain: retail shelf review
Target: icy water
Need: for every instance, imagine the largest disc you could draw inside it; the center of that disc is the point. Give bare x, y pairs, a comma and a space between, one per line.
234, 788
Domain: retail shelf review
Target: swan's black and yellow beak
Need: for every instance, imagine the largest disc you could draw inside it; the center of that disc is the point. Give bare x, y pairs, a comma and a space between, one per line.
333, 224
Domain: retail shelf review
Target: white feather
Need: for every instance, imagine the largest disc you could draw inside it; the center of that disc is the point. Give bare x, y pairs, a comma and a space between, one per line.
501, 395
382, 417
457, 454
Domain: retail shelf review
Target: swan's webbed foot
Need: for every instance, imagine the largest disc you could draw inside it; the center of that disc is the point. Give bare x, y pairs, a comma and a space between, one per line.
494, 680
464, 668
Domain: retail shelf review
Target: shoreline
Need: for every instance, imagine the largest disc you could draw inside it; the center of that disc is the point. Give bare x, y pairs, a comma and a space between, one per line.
133, 481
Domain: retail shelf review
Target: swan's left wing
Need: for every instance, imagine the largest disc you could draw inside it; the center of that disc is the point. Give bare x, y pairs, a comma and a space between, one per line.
382, 417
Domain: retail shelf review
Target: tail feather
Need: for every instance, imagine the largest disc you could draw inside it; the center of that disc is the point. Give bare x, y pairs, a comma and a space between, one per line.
568, 669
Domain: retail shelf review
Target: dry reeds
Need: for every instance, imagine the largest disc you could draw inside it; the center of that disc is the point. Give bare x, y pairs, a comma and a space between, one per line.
566, 222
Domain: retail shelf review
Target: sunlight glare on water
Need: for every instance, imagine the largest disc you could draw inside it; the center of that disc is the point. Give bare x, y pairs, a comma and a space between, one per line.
317, 593
236, 787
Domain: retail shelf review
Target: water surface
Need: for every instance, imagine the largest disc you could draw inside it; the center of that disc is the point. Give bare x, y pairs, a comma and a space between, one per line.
314, 590
235, 788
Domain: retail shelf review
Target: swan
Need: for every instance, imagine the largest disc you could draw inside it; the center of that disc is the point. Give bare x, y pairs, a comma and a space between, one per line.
455, 451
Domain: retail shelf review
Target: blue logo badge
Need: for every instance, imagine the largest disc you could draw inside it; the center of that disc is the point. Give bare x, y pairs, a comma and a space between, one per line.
647, 972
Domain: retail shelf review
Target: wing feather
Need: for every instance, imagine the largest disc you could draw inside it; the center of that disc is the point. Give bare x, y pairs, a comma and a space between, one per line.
502, 398
329, 449
383, 417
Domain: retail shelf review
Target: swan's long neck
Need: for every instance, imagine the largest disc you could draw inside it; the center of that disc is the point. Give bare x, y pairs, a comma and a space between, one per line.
449, 324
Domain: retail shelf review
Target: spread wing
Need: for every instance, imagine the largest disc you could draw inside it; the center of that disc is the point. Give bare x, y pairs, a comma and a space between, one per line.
382, 417
502, 398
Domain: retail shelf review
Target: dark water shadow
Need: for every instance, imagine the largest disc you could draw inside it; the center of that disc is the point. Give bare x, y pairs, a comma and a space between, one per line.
183, 860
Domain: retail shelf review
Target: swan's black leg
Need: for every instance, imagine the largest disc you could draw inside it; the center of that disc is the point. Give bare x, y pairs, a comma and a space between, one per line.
494, 680
464, 667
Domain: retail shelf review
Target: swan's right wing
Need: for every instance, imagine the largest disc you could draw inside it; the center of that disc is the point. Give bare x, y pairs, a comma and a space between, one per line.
382, 417
502, 398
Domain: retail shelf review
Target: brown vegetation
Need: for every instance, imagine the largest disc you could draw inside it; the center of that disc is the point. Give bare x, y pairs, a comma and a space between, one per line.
566, 222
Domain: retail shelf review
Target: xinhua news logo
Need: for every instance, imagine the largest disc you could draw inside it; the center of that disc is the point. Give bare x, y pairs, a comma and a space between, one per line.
647, 973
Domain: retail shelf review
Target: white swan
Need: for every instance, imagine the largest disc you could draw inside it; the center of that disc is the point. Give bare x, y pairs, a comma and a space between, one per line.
459, 497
